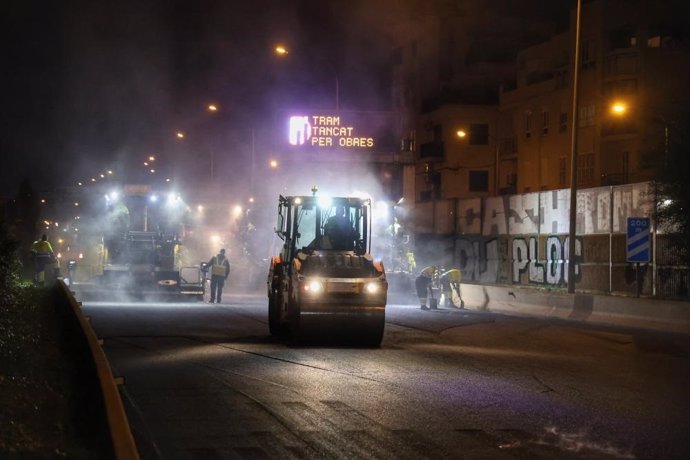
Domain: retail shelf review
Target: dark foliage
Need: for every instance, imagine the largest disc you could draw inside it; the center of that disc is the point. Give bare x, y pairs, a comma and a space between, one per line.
673, 191
9, 267
44, 405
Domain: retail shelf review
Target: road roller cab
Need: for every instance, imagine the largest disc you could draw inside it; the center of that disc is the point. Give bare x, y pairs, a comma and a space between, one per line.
325, 284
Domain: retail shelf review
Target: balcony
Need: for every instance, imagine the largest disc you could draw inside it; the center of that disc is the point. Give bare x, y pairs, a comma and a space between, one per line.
618, 64
431, 150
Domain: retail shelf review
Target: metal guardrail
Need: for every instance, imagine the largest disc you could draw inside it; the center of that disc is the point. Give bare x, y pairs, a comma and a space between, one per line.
120, 433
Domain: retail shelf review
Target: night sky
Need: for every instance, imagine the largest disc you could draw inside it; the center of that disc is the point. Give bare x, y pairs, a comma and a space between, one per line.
91, 85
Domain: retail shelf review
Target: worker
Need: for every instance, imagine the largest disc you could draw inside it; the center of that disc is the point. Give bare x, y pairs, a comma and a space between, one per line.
411, 264
220, 269
423, 285
450, 282
338, 231
43, 257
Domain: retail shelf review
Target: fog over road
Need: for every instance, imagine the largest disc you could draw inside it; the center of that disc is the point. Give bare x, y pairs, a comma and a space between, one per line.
208, 381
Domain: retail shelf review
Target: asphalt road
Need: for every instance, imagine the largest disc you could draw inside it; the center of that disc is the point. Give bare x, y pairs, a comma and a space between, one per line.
208, 381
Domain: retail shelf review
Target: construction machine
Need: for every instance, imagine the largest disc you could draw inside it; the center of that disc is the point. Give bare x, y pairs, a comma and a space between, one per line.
142, 240
325, 283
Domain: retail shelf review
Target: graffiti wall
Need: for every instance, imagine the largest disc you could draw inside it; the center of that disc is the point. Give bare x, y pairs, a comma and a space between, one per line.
523, 239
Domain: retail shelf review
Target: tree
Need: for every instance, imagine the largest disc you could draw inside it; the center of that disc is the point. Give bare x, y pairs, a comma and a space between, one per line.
673, 191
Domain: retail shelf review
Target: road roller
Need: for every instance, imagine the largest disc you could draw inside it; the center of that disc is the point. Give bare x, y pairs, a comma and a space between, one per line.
325, 285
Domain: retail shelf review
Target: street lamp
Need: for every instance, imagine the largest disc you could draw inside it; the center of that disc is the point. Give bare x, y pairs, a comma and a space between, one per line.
573, 151
281, 50
620, 109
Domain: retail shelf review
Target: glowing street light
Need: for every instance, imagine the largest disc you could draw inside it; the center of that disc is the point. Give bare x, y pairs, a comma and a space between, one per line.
618, 108
281, 50
621, 109
273, 164
461, 133
179, 134
212, 108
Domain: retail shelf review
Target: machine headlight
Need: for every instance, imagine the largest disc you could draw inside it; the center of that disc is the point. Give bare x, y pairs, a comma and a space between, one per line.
314, 286
372, 288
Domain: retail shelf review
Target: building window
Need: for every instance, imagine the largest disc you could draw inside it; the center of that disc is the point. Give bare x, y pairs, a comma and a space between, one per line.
561, 77
585, 169
528, 125
587, 55
586, 115
479, 134
563, 122
619, 88
621, 64
654, 42
562, 172
545, 122
438, 133
479, 181
623, 37
663, 37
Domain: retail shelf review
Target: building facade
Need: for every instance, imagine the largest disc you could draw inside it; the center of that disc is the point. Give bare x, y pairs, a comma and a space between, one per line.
633, 68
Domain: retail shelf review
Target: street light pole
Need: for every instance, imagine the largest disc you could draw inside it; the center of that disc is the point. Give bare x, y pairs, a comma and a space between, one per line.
573, 154
253, 166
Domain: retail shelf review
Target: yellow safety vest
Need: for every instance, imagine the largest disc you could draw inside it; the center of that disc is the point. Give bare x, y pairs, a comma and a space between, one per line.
429, 272
218, 268
453, 275
42, 247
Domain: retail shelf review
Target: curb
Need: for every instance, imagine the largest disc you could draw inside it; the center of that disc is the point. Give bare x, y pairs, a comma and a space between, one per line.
643, 313
123, 442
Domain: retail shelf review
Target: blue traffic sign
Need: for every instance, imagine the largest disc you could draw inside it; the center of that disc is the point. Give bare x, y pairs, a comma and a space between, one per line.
638, 240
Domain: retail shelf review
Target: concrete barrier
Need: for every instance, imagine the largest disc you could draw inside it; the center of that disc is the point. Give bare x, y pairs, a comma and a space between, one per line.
123, 443
643, 313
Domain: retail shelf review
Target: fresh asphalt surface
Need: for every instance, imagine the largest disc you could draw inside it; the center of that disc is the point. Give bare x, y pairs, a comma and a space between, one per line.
209, 382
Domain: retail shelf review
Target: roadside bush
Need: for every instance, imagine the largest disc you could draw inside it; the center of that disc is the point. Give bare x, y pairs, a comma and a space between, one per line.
9, 268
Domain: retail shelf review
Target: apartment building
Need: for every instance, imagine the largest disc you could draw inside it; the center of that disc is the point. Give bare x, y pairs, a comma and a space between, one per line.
634, 68
453, 57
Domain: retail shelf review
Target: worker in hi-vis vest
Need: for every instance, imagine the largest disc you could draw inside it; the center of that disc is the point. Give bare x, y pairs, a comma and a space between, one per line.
43, 258
450, 284
423, 285
220, 269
